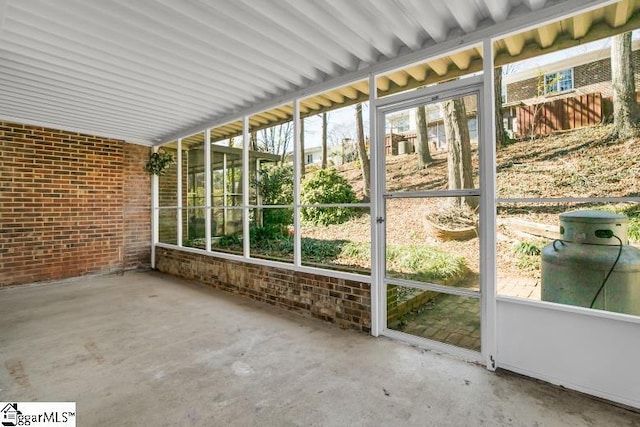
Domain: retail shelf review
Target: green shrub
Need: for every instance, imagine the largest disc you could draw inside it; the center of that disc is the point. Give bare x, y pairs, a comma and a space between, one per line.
326, 186
276, 188
276, 184
425, 263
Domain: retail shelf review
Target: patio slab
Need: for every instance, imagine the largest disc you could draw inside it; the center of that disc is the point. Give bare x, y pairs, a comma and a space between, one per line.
150, 349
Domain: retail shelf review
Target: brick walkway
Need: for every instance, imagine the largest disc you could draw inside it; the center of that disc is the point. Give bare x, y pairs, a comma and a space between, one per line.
454, 319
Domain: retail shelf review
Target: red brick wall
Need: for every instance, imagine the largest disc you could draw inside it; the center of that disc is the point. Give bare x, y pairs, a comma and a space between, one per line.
70, 204
345, 303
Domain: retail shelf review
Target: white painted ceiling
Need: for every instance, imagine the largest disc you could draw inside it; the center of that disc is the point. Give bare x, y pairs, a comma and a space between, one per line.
144, 70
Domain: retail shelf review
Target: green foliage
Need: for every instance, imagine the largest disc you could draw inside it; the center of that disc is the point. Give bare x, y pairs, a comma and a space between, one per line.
632, 211
527, 248
326, 186
529, 252
276, 184
426, 263
276, 188
159, 162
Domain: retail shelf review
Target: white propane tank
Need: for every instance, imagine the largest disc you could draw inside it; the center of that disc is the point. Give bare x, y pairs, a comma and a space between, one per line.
575, 267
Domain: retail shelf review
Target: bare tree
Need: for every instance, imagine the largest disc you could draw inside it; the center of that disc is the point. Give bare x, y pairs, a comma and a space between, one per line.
276, 139
362, 151
422, 138
323, 165
459, 150
625, 106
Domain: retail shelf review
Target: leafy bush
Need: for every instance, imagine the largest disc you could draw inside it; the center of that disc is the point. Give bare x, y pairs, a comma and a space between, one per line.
276, 188
326, 186
276, 184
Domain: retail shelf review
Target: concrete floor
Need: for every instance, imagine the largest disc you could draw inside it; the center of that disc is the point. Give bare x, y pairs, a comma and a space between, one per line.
148, 349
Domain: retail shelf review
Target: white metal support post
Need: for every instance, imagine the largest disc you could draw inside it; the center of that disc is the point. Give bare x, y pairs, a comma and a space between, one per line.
155, 215
207, 189
245, 186
375, 195
488, 211
297, 173
179, 191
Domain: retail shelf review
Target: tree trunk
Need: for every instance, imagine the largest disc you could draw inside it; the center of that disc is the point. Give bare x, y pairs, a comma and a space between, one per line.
501, 136
625, 107
302, 155
323, 165
422, 140
362, 151
253, 141
459, 150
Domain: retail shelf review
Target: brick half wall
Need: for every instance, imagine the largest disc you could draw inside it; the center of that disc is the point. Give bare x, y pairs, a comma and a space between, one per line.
344, 303
70, 205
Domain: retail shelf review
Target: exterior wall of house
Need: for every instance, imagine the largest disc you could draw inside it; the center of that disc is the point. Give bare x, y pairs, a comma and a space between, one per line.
344, 303
70, 205
593, 77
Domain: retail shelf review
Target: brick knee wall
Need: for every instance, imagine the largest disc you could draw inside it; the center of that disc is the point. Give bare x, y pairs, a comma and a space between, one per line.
70, 204
345, 303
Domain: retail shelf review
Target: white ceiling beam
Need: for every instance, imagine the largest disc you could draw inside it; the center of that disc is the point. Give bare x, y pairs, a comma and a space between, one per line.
234, 12
534, 4
81, 95
158, 38
466, 15
359, 18
65, 47
210, 25
498, 9
71, 76
181, 27
41, 122
402, 25
276, 14
430, 17
328, 23
34, 110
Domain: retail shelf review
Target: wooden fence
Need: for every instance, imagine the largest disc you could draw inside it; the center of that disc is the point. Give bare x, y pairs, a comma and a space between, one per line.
561, 114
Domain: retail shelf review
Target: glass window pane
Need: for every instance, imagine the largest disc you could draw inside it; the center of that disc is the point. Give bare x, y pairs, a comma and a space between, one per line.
226, 230
271, 157
226, 165
271, 234
342, 246
168, 181
433, 240
195, 229
334, 135
450, 319
439, 151
193, 170
168, 226
567, 260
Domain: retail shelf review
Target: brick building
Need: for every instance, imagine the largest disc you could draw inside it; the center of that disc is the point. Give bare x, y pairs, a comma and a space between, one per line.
559, 89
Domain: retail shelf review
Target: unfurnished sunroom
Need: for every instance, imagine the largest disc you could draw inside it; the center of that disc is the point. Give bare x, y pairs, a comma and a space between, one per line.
184, 136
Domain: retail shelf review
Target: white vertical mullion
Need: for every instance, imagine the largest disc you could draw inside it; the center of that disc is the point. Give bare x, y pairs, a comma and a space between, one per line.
375, 193
179, 191
488, 211
155, 215
297, 230
245, 186
207, 189
225, 193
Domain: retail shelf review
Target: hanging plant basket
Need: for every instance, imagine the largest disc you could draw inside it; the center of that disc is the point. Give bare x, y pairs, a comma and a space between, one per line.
159, 162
